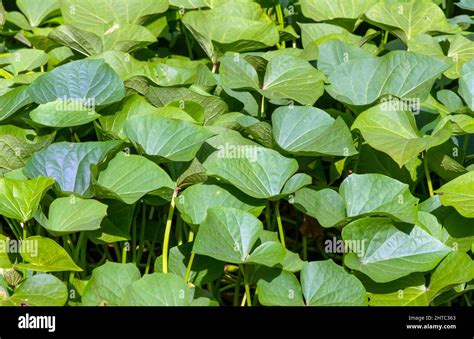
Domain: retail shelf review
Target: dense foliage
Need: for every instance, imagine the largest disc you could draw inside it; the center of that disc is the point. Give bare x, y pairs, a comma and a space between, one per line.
236, 152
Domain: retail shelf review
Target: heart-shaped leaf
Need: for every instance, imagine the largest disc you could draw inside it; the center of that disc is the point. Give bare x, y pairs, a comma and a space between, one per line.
194, 202
400, 74
108, 284
394, 132
69, 215
229, 235
89, 82
171, 139
130, 177
257, 171
387, 253
311, 131
158, 289
73, 159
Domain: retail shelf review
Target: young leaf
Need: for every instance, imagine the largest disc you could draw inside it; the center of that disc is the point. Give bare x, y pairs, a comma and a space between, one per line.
19, 199
108, 284
45, 255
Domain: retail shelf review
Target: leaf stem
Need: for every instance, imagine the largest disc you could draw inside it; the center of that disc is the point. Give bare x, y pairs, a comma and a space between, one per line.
124, 254
247, 286
280, 225
262, 108
169, 222
427, 174
188, 268
237, 289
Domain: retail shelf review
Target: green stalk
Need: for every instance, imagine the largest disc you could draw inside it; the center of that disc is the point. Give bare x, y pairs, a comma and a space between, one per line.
427, 174
169, 222
280, 225
247, 286
262, 108
124, 253
281, 22
279, 12
188, 268
237, 289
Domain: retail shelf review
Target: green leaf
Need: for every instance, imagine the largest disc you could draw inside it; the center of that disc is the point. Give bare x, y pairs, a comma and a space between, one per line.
173, 140
282, 290
257, 171
14, 100
335, 9
195, 201
108, 284
289, 77
459, 193
228, 234
409, 18
5, 262
387, 253
69, 215
84, 42
19, 199
70, 164
130, 177
378, 194
324, 283
232, 26
24, 60
399, 73
78, 12
63, 114
325, 205
158, 289
17, 145
40, 290
311, 131
45, 255
89, 82
466, 83
455, 269
359, 195
394, 132
35, 11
